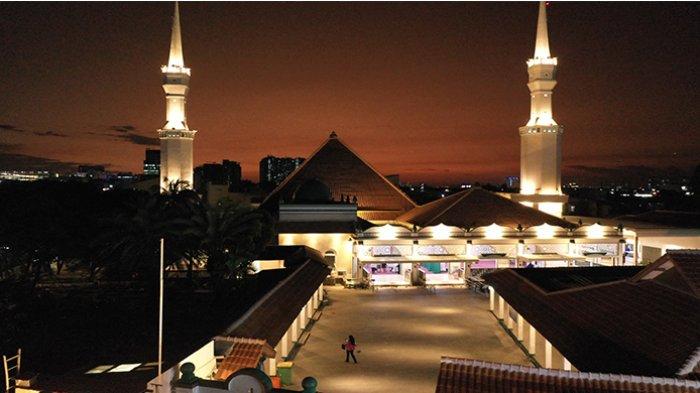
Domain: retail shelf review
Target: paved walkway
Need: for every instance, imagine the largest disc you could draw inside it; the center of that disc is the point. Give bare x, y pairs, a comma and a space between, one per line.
401, 334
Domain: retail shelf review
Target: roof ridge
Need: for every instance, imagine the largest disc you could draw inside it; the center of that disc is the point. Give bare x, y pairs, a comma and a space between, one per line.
691, 284
690, 363
573, 374
264, 298
457, 200
392, 185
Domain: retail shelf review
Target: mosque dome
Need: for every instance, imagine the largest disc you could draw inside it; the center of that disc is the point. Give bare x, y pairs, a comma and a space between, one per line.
312, 191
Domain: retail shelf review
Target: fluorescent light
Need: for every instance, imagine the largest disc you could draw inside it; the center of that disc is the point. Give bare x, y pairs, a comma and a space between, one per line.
99, 369
124, 368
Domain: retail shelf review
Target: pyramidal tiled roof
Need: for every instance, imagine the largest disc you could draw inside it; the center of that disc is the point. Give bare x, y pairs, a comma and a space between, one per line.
476, 208
345, 173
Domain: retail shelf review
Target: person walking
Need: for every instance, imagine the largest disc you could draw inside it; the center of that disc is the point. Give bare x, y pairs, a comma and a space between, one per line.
349, 347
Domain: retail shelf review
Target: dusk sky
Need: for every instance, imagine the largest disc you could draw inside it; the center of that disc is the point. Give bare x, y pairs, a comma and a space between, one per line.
432, 91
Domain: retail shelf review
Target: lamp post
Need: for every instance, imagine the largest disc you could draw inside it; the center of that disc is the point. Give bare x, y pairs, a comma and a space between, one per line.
160, 307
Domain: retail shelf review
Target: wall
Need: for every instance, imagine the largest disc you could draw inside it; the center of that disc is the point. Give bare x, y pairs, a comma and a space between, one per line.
324, 242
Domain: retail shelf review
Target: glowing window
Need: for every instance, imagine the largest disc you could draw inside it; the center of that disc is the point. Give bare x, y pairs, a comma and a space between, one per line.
493, 231
441, 232
596, 231
545, 231
387, 232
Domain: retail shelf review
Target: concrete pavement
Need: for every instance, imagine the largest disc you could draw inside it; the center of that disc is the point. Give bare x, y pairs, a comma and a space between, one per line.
401, 334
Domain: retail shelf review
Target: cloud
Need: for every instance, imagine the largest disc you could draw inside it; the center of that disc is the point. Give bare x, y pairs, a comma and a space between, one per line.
13, 128
10, 127
140, 139
129, 133
49, 133
123, 128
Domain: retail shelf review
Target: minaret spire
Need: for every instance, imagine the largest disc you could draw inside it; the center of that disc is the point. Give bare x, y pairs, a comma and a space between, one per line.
540, 138
176, 137
176, 58
542, 40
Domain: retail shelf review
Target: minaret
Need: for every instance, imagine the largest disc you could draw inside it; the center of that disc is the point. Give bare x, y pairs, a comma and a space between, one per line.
540, 138
175, 136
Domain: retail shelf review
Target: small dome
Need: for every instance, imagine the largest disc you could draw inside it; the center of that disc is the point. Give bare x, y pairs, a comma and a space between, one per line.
312, 191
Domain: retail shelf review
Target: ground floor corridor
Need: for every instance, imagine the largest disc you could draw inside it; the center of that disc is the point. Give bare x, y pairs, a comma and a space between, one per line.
401, 334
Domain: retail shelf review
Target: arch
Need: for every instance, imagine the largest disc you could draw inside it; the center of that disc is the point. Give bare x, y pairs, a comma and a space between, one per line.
329, 256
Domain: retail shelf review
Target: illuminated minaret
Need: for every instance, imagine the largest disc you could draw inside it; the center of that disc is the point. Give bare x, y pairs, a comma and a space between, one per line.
540, 138
175, 136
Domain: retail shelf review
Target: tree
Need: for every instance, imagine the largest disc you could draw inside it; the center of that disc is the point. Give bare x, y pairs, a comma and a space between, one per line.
232, 234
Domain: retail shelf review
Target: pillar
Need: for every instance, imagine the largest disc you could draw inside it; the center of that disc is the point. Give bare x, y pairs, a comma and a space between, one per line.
492, 299
284, 345
294, 329
271, 366
621, 252
501, 307
521, 327
567, 364
508, 319
302, 314
547, 354
533, 340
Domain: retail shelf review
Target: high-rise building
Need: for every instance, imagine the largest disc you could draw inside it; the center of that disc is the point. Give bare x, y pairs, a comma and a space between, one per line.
273, 170
540, 138
175, 136
151, 164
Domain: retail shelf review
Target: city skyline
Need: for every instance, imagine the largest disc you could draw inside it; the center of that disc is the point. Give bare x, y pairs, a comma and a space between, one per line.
274, 79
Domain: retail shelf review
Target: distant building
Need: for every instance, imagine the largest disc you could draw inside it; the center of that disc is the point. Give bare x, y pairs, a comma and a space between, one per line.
24, 175
228, 173
273, 170
513, 182
91, 171
151, 165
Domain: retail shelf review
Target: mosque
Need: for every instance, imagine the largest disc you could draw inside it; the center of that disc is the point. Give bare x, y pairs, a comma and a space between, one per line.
373, 233
581, 328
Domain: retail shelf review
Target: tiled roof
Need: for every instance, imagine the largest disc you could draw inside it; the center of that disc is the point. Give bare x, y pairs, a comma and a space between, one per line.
244, 353
345, 173
476, 208
627, 326
475, 376
271, 316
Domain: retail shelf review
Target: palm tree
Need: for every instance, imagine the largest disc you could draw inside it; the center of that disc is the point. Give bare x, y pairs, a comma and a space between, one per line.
232, 234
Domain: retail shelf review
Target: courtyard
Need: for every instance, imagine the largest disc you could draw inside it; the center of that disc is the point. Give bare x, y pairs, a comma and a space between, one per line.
401, 333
